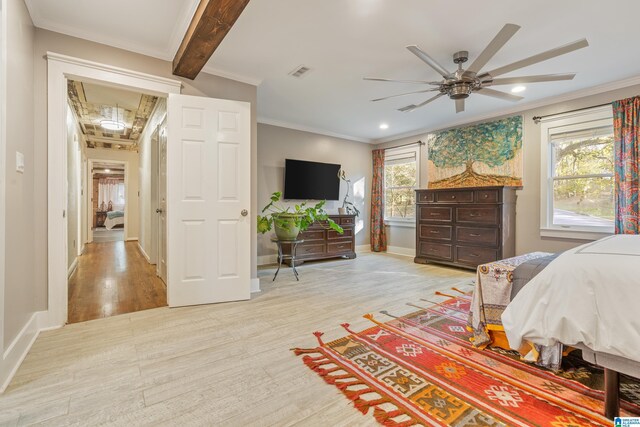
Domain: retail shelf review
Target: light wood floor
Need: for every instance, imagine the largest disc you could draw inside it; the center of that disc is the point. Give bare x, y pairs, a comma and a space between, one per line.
113, 278
225, 364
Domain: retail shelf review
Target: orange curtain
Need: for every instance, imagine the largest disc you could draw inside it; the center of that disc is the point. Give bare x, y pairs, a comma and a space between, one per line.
378, 232
626, 126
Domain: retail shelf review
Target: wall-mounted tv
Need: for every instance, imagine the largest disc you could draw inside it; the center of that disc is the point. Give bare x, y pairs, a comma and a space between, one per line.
311, 180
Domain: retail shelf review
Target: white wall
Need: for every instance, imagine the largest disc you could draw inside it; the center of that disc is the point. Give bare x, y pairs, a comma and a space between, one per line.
275, 144
132, 207
528, 237
74, 169
21, 292
147, 199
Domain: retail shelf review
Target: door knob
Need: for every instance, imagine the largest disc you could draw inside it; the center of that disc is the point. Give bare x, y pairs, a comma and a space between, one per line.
244, 212
158, 210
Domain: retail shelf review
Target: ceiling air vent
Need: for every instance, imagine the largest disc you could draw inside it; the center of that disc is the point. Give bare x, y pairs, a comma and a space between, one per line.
299, 71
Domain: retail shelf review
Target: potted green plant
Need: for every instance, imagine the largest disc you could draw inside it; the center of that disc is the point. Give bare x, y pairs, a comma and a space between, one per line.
347, 205
289, 221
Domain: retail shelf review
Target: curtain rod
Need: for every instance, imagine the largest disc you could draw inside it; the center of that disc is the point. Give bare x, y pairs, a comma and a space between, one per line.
538, 118
404, 145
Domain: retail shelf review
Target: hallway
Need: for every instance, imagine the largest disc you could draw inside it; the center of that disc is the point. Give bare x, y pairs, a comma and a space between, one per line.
113, 278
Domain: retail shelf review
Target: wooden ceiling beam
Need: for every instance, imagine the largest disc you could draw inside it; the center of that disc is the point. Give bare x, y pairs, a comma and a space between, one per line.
210, 24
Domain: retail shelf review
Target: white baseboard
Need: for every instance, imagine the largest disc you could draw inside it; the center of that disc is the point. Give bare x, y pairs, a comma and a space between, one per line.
18, 349
398, 250
267, 259
255, 285
72, 267
360, 249
131, 239
144, 254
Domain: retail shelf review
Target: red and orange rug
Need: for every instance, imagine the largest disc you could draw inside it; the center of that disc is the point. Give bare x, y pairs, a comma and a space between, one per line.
420, 369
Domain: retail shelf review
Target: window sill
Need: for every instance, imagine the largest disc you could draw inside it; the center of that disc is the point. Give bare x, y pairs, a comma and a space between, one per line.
574, 234
404, 223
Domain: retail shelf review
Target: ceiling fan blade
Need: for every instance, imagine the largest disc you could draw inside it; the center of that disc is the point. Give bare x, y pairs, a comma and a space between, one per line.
459, 105
406, 93
532, 79
493, 47
410, 108
539, 57
498, 94
376, 79
428, 60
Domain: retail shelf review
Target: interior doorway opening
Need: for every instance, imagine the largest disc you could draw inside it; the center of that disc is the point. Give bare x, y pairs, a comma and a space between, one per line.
113, 172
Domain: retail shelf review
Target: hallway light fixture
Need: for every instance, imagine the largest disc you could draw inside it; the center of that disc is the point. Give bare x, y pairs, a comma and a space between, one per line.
113, 124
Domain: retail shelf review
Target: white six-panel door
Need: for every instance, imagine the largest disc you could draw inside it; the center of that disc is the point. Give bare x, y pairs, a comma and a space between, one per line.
208, 198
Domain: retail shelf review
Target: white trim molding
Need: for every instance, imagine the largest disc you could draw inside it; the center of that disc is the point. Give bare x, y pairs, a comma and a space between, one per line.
398, 250
3, 163
72, 267
255, 285
303, 128
15, 353
59, 69
559, 124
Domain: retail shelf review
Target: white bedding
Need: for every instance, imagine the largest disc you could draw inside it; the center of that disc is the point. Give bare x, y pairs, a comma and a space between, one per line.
109, 223
589, 295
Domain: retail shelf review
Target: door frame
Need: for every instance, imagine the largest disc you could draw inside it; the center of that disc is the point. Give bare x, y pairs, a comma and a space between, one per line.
59, 69
123, 163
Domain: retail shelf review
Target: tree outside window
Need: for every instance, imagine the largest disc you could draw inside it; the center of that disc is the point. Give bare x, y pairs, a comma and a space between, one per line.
400, 181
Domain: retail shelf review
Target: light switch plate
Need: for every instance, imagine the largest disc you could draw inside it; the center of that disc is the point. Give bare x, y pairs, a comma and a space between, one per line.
19, 162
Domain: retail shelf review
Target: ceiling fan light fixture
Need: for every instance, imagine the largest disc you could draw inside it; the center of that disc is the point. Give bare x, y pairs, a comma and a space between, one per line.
384, 126
518, 89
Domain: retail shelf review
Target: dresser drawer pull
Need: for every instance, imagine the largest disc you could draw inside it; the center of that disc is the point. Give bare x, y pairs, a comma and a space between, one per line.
434, 213
473, 214
453, 197
485, 195
474, 255
433, 249
474, 235
434, 232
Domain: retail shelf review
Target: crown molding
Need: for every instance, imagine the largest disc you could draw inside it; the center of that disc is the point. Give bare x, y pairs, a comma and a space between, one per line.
287, 125
232, 76
570, 96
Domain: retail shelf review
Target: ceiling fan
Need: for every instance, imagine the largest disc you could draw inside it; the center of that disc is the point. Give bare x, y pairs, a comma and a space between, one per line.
462, 83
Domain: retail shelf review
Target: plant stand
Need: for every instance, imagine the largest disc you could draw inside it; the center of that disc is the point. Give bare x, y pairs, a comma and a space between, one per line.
291, 256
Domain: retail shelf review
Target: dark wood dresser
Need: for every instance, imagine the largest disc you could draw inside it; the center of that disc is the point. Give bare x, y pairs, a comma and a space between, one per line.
465, 227
321, 242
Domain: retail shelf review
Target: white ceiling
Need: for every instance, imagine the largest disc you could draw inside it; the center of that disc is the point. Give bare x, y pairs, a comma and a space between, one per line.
343, 41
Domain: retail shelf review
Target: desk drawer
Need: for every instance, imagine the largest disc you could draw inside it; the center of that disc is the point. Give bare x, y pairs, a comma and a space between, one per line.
475, 256
309, 235
485, 236
487, 196
435, 232
436, 250
425, 197
454, 196
481, 215
332, 234
310, 249
429, 213
347, 221
339, 247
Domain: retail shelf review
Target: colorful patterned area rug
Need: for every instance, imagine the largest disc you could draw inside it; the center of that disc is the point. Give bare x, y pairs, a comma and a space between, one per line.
420, 369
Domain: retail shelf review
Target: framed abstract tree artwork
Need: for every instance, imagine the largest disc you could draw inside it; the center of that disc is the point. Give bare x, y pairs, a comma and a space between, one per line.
483, 155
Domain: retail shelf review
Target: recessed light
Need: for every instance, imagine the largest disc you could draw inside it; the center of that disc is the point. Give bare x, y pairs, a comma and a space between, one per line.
518, 89
384, 126
107, 170
112, 125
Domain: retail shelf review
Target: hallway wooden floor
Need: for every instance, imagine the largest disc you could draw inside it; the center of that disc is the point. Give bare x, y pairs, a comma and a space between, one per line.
113, 278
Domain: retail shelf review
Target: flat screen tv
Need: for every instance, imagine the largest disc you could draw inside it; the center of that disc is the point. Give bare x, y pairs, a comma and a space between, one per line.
311, 180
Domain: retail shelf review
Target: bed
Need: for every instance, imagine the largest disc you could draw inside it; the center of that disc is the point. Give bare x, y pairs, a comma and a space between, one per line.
587, 298
114, 218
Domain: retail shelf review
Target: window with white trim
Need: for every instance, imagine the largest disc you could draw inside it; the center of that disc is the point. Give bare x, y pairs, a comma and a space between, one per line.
577, 177
401, 178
